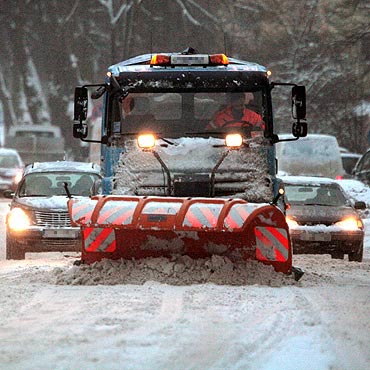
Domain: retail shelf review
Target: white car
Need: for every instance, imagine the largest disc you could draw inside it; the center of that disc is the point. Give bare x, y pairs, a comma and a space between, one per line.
38, 220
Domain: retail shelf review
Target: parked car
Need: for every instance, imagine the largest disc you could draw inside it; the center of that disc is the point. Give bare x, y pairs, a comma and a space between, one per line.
349, 161
362, 168
38, 220
313, 155
11, 169
322, 219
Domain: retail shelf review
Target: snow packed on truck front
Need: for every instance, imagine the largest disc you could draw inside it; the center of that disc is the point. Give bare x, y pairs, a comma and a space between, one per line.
178, 108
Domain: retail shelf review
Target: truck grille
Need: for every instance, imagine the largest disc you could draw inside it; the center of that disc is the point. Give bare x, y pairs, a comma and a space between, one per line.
52, 219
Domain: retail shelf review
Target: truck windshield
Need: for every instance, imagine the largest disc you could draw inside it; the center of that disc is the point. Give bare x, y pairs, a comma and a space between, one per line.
179, 114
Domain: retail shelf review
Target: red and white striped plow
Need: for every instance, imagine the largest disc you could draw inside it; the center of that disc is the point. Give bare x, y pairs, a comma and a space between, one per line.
128, 227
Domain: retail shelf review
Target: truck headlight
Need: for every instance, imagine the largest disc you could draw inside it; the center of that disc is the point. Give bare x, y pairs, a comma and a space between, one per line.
350, 224
18, 219
234, 140
146, 141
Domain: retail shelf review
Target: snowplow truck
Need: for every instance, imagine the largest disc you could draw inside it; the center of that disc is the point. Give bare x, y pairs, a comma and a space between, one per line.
174, 182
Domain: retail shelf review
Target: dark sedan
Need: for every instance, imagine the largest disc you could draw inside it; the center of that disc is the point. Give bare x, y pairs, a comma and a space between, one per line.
322, 219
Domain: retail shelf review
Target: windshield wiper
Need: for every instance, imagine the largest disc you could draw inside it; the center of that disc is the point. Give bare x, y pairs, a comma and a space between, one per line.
319, 204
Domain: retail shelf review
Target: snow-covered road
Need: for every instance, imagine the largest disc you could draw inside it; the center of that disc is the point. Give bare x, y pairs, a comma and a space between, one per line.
56, 316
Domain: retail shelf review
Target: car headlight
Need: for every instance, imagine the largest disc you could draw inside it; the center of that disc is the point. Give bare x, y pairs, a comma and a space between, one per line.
291, 222
350, 224
18, 219
18, 177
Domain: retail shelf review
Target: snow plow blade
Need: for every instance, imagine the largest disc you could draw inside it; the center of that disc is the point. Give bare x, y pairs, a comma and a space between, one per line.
136, 227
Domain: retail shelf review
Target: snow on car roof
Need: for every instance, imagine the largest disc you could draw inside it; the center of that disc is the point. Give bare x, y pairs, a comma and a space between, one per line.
8, 151
308, 137
356, 189
67, 166
309, 180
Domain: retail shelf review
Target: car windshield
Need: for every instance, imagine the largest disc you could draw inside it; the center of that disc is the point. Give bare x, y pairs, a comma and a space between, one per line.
326, 195
8, 161
52, 183
179, 114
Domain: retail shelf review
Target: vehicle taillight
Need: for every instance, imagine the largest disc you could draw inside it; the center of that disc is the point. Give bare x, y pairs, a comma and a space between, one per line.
218, 59
338, 177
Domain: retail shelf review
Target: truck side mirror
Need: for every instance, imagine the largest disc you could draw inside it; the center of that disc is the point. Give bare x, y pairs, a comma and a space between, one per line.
299, 102
80, 107
80, 130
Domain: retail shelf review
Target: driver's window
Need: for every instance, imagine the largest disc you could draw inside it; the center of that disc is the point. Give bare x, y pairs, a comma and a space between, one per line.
206, 105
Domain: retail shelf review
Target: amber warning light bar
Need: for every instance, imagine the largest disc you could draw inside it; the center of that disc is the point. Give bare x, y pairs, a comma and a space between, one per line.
186, 59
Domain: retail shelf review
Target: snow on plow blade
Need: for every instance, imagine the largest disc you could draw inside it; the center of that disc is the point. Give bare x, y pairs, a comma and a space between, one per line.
128, 227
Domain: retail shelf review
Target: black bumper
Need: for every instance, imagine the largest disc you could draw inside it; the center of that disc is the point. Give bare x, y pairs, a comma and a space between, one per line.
313, 242
36, 241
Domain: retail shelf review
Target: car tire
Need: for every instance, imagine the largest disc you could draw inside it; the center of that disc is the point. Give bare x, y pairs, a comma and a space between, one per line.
357, 256
14, 251
337, 255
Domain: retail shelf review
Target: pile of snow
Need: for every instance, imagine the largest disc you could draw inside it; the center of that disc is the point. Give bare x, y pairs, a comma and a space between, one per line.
357, 190
179, 270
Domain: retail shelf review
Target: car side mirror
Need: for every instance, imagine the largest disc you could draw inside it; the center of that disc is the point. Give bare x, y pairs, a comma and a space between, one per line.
81, 104
9, 194
360, 205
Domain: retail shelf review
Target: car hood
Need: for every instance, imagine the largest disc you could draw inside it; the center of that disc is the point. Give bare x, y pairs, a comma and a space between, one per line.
53, 203
9, 172
315, 214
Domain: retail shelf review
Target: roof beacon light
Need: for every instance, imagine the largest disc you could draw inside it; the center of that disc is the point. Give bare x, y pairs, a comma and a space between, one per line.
188, 60
146, 141
160, 60
191, 59
218, 59
234, 141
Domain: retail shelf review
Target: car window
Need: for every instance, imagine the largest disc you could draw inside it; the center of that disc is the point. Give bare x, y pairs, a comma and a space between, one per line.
45, 134
365, 163
52, 183
315, 194
9, 161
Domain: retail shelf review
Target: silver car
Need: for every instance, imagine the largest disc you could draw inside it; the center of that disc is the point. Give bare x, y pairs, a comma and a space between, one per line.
38, 220
11, 169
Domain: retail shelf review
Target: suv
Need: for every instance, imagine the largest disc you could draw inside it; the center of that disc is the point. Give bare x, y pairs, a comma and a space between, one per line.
38, 220
11, 169
313, 155
362, 168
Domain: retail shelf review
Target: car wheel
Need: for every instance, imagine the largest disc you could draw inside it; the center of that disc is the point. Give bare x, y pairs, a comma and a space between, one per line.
14, 251
337, 255
356, 256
